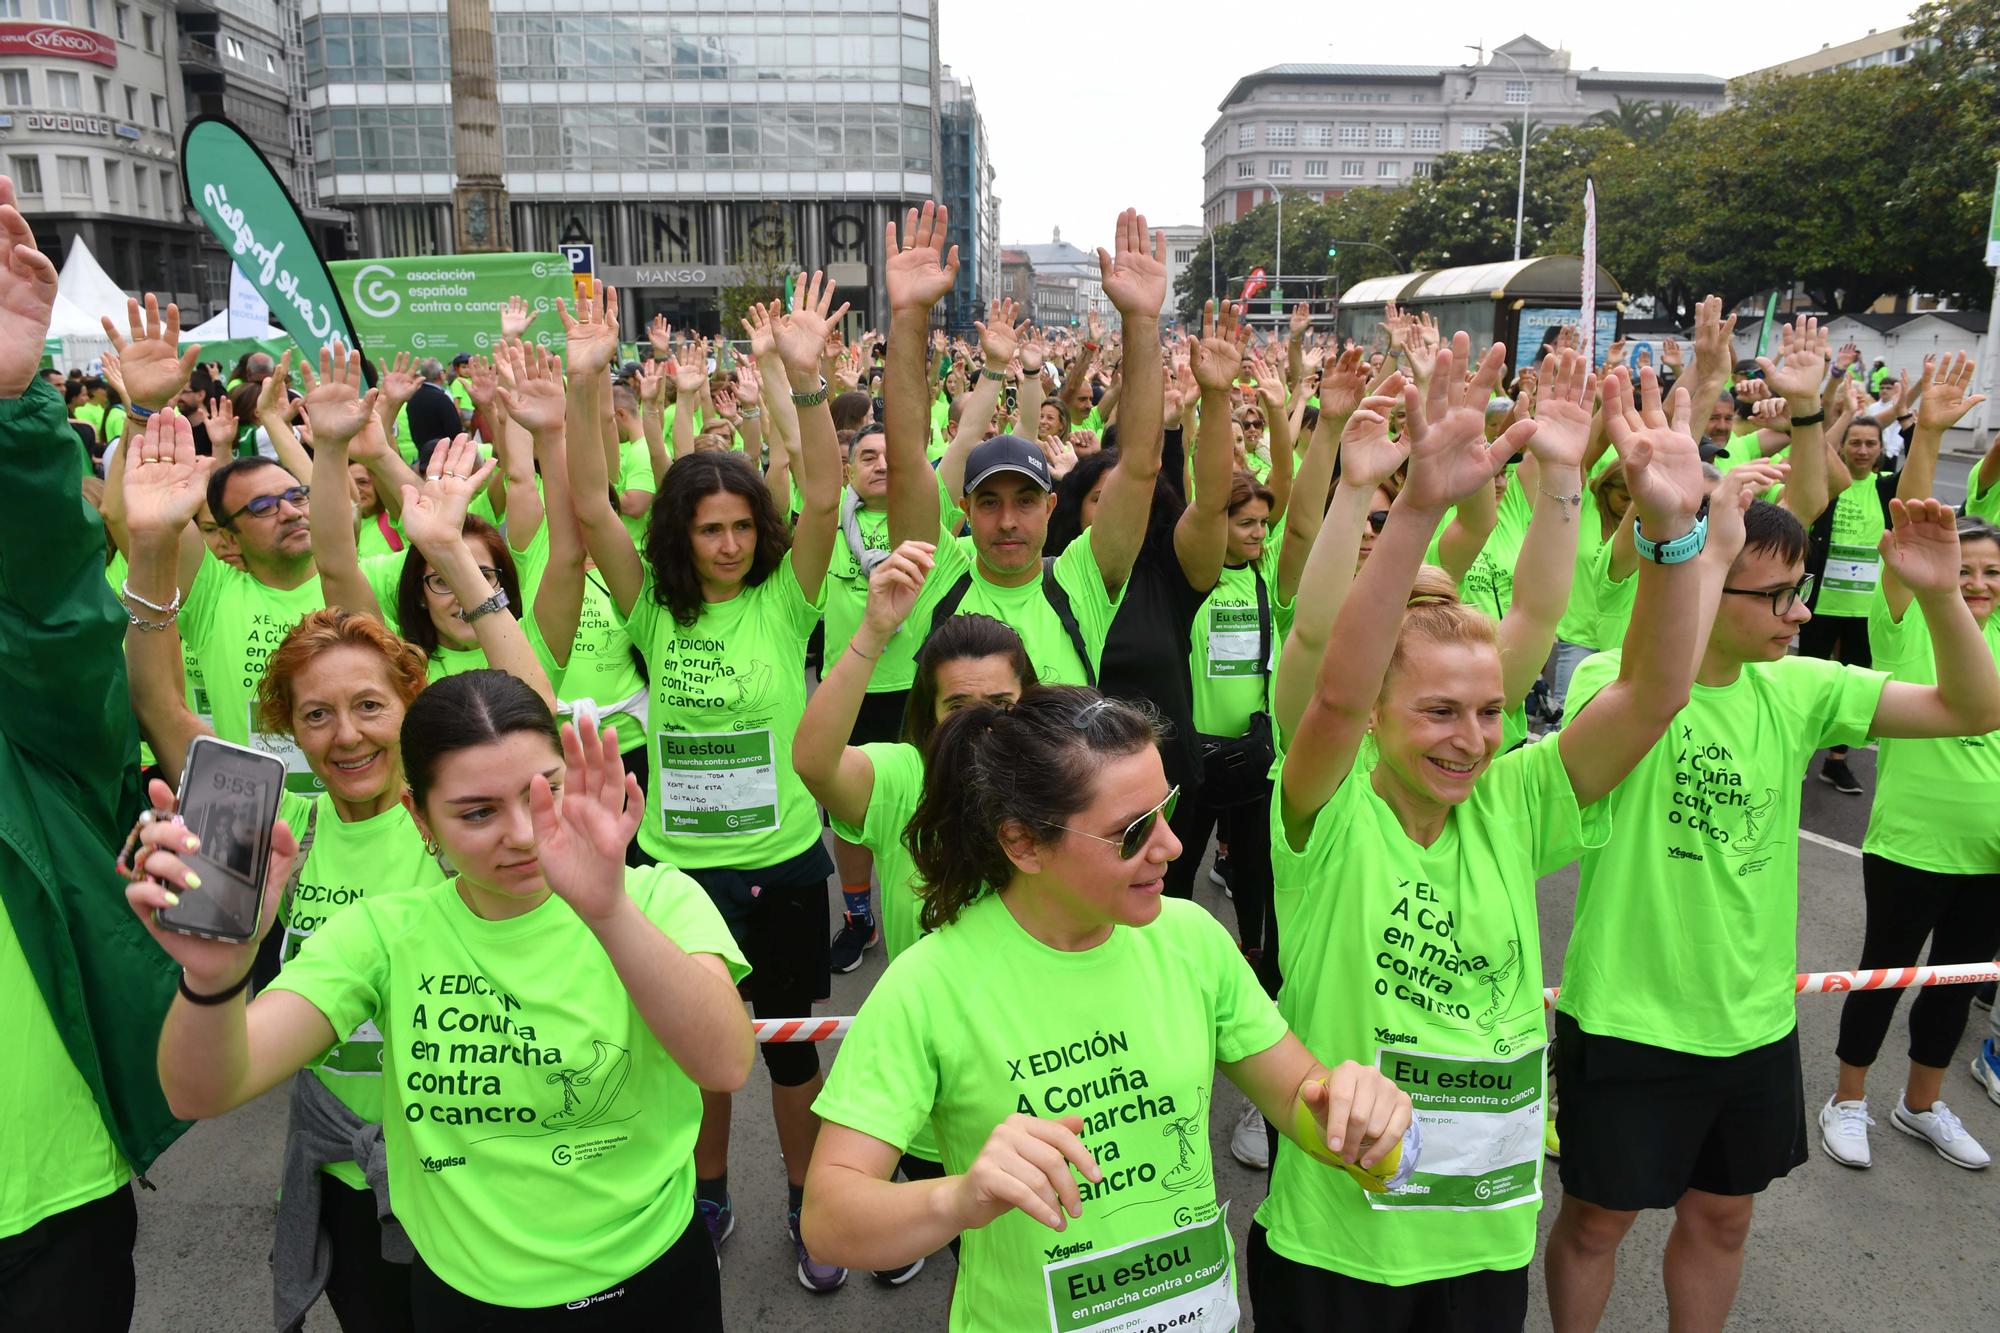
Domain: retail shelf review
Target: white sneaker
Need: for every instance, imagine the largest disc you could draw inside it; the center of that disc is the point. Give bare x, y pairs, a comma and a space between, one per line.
1843, 1132
1944, 1132
1248, 1144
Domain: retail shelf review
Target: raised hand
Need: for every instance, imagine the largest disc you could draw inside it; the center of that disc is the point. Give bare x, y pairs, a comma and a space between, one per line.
689, 375
894, 586
334, 402
802, 332
114, 375
1342, 385
661, 335
1731, 500
1713, 351
1135, 275
27, 298
1025, 1164
760, 326
591, 333
482, 381
846, 375
1060, 453
1446, 425
1270, 387
165, 480
1301, 320
1217, 356
920, 269
1662, 462
1368, 457
1944, 402
749, 385
222, 427
274, 399
580, 840
536, 399
1921, 545
1670, 356
652, 386
434, 516
1566, 392
1800, 367
1001, 334
400, 381
155, 366
1034, 351
516, 316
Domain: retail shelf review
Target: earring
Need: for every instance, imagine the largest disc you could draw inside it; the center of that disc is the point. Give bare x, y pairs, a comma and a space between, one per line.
434, 849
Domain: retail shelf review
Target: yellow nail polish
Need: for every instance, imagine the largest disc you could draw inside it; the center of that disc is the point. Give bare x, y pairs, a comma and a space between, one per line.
193, 843
173, 899
193, 880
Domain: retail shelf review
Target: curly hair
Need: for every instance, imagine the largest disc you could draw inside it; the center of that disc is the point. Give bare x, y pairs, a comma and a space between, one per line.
670, 549
319, 632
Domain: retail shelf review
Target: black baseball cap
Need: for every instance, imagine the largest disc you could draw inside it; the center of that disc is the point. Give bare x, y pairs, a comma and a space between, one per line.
461, 359
1007, 453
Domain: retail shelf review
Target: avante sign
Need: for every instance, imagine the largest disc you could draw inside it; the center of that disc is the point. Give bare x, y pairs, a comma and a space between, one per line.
47, 39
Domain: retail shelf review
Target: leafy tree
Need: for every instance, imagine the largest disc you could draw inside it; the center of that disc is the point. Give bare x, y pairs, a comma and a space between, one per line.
1633, 117
1507, 138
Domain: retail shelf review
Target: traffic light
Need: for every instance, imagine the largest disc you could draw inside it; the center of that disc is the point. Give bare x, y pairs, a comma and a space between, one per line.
1332, 250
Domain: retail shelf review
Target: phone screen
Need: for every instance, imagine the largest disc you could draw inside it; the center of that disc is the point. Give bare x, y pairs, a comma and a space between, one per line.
229, 799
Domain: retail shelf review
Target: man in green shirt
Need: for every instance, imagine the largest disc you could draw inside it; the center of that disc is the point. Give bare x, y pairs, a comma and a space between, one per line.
1676, 1042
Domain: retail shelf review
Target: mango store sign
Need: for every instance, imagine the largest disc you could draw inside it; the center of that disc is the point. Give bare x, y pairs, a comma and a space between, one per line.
446, 304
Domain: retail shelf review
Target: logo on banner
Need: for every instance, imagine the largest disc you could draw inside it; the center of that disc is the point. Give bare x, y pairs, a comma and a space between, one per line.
65, 43
374, 292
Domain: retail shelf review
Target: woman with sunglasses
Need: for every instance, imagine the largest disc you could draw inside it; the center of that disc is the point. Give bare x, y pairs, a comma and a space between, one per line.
1406, 885
1075, 1124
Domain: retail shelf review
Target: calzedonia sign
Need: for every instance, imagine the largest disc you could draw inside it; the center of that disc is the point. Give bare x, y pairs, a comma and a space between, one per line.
48, 39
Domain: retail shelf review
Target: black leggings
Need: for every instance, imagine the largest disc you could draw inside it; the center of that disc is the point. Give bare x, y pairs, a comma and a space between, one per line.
686, 1281
366, 1291
1960, 915
73, 1269
1290, 1297
1246, 830
634, 761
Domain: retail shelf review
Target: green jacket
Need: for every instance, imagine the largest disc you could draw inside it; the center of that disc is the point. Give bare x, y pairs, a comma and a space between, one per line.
69, 789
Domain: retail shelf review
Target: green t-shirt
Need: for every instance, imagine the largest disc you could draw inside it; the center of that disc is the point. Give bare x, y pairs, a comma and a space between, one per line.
1853, 561
370, 540
1615, 599
385, 573
345, 864
1427, 962
1580, 617
462, 395
847, 594
1937, 802
635, 473
940, 418
540, 1139
601, 670
231, 623
1687, 921
1026, 609
727, 695
55, 1153
1230, 683
1127, 1036
1981, 505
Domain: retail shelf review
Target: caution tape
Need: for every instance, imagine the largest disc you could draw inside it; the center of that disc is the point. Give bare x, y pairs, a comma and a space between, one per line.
1806, 983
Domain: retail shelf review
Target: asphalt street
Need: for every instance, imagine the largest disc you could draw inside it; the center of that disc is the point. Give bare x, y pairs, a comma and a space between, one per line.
1911, 1243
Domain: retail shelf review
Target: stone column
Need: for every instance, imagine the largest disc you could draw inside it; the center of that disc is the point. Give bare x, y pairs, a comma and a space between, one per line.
479, 199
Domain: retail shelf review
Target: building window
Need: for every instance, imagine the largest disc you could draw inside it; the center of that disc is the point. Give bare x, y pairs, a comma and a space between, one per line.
65, 89
1281, 166
1472, 136
90, 13
1281, 135
232, 48
1517, 92
151, 27
114, 186
1183, 256
121, 19
27, 173
103, 97
1416, 97
73, 176
10, 9
1319, 136
131, 103
1246, 135
1246, 170
169, 199
1353, 136
1351, 170
140, 180
1388, 136
14, 87
1388, 170
159, 112
1316, 169
55, 11
1425, 136
1420, 169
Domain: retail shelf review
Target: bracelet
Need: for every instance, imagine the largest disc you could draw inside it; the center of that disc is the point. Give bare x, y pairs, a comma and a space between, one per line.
1566, 501
125, 594
497, 602
1812, 420
863, 656
751, 413
1090, 347
140, 622
220, 997
813, 398
140, 412
989, 373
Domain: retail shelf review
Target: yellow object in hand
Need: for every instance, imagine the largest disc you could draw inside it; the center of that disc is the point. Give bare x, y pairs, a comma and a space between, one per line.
1308, 1130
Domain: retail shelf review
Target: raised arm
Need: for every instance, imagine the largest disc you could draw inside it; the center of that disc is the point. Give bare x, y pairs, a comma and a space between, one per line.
1449, 459
801, 334
165, 480
337, 410
920, 270
653, 381
1714, 356
1278, 421
591, 339
1201, 534
1135, 279
688, 376
1339, 391
274, 414
1921, 550
1942, 403
840, 776
1797, 375
535, 403
1000, 340
1546, 566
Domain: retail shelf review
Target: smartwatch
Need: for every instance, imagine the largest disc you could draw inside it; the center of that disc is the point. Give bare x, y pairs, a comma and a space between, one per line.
1682, 548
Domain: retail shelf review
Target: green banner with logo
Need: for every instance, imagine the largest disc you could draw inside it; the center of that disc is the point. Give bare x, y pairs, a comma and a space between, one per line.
441, 305
251, 212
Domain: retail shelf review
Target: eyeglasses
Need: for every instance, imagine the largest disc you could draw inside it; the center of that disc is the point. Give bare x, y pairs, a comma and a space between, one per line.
1377, 517
1252, 423
1781, 599
1137, 833
266, 505
436, 582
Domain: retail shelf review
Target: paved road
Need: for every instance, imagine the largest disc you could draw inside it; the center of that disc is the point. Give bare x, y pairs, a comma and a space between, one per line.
1910, 1243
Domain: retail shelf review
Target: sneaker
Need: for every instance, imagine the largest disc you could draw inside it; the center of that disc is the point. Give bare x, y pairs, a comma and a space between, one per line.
1836, 774
896, 1277
856, 935
1986, 1068
1552, 1146
1843, 1132
1248, 1144
814, 1276
720, 1219
1945, 1133
1983, 995
1218, 874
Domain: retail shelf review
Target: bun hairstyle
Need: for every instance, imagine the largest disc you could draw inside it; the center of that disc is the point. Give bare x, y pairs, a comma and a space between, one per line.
1434, 612
1034, 764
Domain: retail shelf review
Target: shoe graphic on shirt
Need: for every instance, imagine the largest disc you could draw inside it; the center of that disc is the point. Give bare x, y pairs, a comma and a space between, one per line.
1756, 832
1191, 1167
589, 1092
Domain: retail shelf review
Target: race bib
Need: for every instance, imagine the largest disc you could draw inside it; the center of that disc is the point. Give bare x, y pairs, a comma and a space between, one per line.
717, 782
1855, 569
299, 776
1180, 1279
1232, 641
1482, 1129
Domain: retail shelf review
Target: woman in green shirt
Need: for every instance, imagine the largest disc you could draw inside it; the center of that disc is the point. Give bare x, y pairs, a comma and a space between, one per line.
1406, 886
547, 1019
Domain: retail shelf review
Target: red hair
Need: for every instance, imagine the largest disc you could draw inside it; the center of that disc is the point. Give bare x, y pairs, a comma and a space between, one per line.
319, 632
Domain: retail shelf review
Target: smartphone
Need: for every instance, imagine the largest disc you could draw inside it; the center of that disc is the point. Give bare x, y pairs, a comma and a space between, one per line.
229, 799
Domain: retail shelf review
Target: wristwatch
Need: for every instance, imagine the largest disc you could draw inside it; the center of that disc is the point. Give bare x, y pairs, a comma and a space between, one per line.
812, 399
498, 602
1680, 549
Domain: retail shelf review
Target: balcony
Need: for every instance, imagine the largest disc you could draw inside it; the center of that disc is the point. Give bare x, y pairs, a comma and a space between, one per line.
200, 54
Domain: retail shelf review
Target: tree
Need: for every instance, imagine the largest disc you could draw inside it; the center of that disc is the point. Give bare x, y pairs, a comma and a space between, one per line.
1632, 117
761, 279
1507, 138
1464, 212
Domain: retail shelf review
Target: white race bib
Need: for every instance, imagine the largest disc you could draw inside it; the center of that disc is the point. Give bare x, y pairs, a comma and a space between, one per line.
717, 782
1482, 1129
1232, 641
1181, 1279
1855, 569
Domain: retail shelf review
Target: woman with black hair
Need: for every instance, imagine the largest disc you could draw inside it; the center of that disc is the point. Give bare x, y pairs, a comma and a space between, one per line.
721, 604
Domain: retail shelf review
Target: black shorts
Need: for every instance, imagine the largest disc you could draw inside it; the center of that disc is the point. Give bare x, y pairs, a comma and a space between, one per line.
880, 718
73, 1270
1642, 1125
1836, 639
1287, 1296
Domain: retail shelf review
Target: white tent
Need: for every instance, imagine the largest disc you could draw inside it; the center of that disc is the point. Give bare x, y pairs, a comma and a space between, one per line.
69, 320
217, 329
84, 281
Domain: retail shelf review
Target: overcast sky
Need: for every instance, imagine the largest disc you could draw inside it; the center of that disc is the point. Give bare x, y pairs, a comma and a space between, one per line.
1092, 106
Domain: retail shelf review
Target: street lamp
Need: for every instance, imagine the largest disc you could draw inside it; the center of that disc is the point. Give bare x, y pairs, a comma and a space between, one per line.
1370, 245
1521, 188
1278, 279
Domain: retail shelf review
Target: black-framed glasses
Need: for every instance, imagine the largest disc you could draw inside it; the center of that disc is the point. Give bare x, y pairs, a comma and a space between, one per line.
1377, 518
263, 506
1781, 599
1253, 423
436, 581
1137, 833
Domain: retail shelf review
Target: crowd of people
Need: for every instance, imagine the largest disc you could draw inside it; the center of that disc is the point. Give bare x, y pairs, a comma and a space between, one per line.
589, 676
